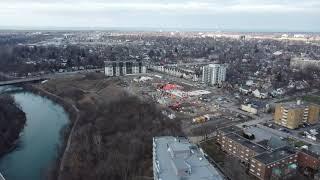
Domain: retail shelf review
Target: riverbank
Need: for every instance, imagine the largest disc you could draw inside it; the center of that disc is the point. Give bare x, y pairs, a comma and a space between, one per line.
12, 122
73, 114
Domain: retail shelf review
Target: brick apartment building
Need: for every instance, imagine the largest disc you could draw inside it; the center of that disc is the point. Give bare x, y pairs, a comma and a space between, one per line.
264, 163
224, 131
278, 164
240, 147
308, 161
233, 143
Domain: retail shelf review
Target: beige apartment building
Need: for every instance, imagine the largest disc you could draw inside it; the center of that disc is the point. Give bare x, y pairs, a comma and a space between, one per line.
291, 115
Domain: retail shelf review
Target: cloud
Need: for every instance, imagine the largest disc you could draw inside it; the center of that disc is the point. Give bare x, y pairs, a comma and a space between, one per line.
248, 6
156, 13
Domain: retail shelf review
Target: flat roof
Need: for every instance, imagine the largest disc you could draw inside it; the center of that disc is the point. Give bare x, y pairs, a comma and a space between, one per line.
276, 155
176, 159
315, 155
294, 105
245, 142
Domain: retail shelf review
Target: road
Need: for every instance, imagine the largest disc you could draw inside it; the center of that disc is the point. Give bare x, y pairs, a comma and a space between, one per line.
19, 81
43, 77
265, 118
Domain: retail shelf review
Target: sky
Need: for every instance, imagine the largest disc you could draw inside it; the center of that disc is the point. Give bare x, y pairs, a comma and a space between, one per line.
246, 15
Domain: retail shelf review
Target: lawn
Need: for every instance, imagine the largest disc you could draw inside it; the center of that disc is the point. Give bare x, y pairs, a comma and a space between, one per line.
312, 98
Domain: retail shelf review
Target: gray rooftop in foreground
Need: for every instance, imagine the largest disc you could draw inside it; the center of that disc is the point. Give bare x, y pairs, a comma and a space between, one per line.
276, 155
177, 159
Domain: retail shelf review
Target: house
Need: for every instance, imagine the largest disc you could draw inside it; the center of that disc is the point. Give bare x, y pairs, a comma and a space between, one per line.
245, 89
260, 94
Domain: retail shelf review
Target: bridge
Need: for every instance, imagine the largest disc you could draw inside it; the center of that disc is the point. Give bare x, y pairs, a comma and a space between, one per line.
44, 77
21, 81
1, 177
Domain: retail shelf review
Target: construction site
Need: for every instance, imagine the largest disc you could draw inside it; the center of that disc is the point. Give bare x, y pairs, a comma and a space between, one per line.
198, 109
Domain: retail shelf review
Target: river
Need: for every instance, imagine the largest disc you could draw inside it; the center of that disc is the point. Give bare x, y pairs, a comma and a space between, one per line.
38, 143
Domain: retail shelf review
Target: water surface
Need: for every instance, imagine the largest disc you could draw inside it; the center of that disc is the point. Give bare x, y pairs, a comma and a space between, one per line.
39, 140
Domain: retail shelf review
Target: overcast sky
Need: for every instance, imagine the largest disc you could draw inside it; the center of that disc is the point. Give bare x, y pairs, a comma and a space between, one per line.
271, 15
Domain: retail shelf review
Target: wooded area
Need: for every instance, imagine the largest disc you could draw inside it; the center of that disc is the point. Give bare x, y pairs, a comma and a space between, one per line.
113, 137
12, 120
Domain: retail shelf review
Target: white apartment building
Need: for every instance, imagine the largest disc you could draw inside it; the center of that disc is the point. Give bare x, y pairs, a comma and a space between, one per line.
214, 74
124, 68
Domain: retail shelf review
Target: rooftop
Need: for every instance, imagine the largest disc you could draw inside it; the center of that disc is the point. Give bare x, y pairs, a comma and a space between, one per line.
175, 158
294, 105
276, 155
315, 155
214, 65
265, 138
245, 142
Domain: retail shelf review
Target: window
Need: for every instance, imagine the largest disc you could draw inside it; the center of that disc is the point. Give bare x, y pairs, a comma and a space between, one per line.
253, 161
253, 165
258, 174
259, 164
251, 170
259, 169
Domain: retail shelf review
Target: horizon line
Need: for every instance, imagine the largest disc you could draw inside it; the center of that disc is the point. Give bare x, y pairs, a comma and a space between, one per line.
153, 29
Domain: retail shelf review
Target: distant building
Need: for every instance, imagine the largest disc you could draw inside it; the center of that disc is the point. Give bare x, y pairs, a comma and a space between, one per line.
250, 108
214, 74
245, 89
175, 71
302, 63
291, 115
260, 94
277, 164
117, 68
177, 159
